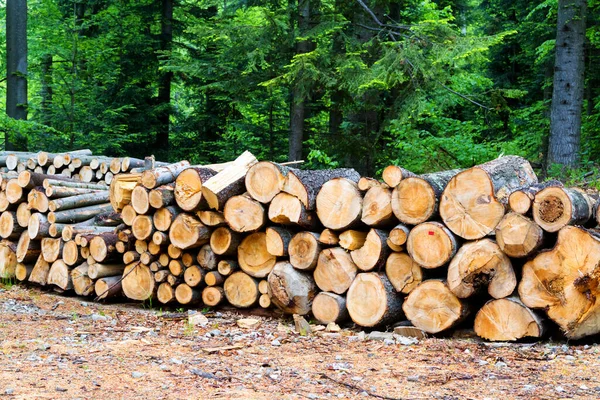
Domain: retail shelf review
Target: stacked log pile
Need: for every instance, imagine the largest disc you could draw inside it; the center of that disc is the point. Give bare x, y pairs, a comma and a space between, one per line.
489, 246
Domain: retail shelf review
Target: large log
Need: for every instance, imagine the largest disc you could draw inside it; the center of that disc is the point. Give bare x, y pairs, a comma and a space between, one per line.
265, 180
507, 320
39, 274
373, 253
244, 214
229, 182
164, 217
187, 232
290, 290
521, 200
241, 290
563, 282
286, 209
188, 188
27, 250
153, 178
37, 200
416, 199
377, 207
8, 260
224, 242
253, 257
138, 282
555, 207
403, 272
278, 240
478, 265
329, 307
304, 249
305, 185
431, 244
339, 204
433, 307
59, 275
519, 236
473, 202
372, 300
392, 175
335, 270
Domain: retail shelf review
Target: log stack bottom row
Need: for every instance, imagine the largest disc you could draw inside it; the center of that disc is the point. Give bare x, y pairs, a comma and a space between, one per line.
488, 247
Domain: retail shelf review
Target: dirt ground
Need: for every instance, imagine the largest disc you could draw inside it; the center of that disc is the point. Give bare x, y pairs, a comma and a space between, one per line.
58, 347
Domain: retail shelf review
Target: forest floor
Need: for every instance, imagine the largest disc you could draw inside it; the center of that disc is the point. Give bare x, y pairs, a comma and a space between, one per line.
56, 347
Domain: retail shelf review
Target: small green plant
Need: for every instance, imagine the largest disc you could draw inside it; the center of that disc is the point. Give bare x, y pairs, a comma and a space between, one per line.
74, 317
205, 310
101, 313
180, 309
159, 312
7, 282
188, 329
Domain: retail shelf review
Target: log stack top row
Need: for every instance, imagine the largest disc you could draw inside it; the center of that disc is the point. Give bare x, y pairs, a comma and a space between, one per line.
477, 246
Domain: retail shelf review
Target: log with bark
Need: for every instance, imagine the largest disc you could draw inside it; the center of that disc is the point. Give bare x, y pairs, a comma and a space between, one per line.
377, 207
51, 249
508, 319
188, 188
241, 290
206, 258
224, 242
9, 227
365, 183
373, 253
194, 276
39, 274
142, 227
433, 307
478, 265
27, 250
352, 239
187, 232
211, 218
304, 249
164, 217
372, 301
555, 207
244, 214
521, 200
392, 175
227, 267
162, 196
186, 295
305, 185
138, 282
98, 270
519, 236
291, 290
78, 214
339, 204
153, 178
102, 247
335, 270
109, 286
403, 272
431, 244
286, 209
8, 260
329, 307
82, 284
278, 240
265, 180
59, 276
472, 204
253, 257
165, 293
212, 296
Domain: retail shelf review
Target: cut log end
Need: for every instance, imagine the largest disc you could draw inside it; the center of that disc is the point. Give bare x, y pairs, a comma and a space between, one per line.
304, 249
253, 257
518, 236
241, 290
329, 307
372, 301
339, 204
403, 272
431, 244
264, 181
414, 201
291, 290
507, 320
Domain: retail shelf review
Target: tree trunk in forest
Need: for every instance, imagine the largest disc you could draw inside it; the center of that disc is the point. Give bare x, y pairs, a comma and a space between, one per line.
297, 110
46, 91
567, 95
16, 62
165, 77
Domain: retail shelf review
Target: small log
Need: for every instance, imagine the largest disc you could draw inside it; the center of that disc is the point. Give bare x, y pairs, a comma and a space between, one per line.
433, 308
330, 307
480, 264
176, 267
72, 184
9, 227
292, 291
4, 204
264, 301
188, 188
59, 275
86, 174
78, 214
38, 226
556, 207
166, 293
521, 200
162, 196
253, 257
143, 227
372, 301
212, 296
82, 284
392, 175
174, 251
244, 214
153, 178
472, 203
187, 295
128, 163
138, 282
102, 247
399, 235
377, 207
27, 250
206, 258
23, 271
286, 209
188, 259
374, 252
304, 249
241, 290
40, 271
263, 286
229, 182
66, 203
8, 260
211, 218
115, 165
519, 236
507, 320
278, 240
51, 249
339, 204
140, 200
59, 192
71, 255
23, 215
224, 242
364, 184
164, 260
160, 238
416, 199
335, 270
352, 240
131, 256
70, 231
227, 267
163, 218
329, 237
213, 278
265, 180
97, 270
109, 286
194, 276
37, 200
14, 193
187, 232
305, 185
160, 275
431, 244
403, 272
